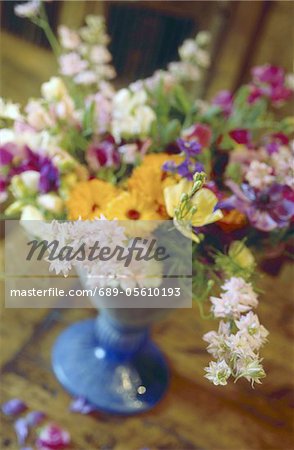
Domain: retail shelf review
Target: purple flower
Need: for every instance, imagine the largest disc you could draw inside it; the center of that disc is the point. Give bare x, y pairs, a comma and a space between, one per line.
49, 177
224, 100
102, 154
13, 407
80, 405
190, 148
241, 136
266, 209
49, 174
6, 156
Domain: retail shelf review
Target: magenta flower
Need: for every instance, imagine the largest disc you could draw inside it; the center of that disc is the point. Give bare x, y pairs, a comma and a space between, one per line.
266, 209
102, 154
241, 136
224, 100
269, 81
52, 437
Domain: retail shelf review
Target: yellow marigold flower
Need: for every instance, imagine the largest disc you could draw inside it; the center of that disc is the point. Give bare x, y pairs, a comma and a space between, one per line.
89, 199
132, 207
150, 180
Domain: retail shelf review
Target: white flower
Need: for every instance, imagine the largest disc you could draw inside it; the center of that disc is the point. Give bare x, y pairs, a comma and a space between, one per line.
218, 372
6, 135
239, 346
71, 64
132, 117
239, 297
99, 54
249, 368
184, 71
9, 110
54, 89
188, 49
87, 77
28, 9
31, 213
283, 164
31, 179
255, 333
51, 202
259, 175
37, 116
218, 347
203, 38
129, 153
69, 39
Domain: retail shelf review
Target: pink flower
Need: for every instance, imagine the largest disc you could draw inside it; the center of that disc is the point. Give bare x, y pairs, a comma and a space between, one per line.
52, 437
69, 39
71, 64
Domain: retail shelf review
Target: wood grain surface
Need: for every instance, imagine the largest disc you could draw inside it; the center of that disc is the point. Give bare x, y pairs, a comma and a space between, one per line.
193, 415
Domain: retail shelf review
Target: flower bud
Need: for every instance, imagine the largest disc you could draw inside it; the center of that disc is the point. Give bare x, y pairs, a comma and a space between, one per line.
241, 255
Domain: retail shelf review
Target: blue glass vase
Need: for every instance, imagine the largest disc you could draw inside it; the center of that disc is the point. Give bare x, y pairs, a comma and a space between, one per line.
112, 362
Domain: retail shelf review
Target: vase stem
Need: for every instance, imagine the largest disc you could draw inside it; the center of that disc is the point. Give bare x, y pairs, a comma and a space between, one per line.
121, 341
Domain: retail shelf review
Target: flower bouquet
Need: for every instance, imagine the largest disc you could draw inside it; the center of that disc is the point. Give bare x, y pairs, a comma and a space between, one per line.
220, 171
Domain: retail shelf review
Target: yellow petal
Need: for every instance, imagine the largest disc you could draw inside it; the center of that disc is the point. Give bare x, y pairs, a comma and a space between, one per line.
172, 195
205, 200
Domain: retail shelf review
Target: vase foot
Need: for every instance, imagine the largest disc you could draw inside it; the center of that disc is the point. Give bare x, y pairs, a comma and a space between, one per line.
114, 385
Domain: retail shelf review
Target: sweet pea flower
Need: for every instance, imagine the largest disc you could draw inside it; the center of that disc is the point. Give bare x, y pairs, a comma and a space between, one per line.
199, 132
102, 154
269, 81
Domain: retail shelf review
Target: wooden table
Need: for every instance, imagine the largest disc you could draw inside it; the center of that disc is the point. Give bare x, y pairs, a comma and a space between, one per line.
193, 415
